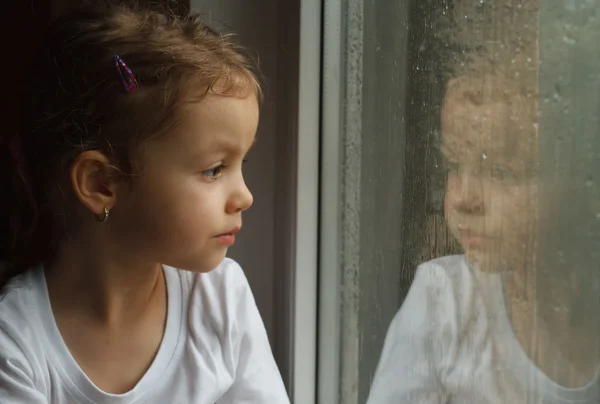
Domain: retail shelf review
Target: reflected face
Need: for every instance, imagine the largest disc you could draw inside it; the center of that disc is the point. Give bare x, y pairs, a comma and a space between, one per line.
490, 150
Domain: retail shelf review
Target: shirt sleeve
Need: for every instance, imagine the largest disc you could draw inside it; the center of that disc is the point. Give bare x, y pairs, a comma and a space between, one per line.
16, 375
257, 378
408, 370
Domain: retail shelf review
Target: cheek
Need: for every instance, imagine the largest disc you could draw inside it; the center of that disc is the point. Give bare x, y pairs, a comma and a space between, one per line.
447, 207
451, 219
450, 196
165, 212
514, 211
185, 209
149, 213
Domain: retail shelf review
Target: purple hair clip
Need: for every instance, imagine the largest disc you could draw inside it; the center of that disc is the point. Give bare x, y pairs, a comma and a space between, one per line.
126, 75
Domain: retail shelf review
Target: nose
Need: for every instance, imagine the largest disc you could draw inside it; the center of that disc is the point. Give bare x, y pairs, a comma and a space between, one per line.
464, 193
240, 199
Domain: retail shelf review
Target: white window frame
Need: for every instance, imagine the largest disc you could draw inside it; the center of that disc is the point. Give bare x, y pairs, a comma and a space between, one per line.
307, 204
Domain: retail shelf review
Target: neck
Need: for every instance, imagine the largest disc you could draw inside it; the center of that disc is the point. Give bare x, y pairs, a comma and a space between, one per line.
103, 285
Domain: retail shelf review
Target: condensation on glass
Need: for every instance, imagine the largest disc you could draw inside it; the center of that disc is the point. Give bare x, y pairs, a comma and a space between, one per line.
470, 202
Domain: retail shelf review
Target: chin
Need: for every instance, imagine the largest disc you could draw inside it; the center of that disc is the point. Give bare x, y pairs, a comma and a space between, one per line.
484, 261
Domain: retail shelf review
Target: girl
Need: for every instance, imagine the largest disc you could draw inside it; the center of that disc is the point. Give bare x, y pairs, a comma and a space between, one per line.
494, 325
125, 189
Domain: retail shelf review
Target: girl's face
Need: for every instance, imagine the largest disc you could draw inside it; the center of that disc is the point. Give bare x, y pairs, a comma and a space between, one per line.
489, 145
187, 204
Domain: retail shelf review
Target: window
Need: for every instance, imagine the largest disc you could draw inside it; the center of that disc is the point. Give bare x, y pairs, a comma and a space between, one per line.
460, 230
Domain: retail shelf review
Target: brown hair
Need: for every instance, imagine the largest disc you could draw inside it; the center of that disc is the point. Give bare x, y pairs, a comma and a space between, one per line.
77, 103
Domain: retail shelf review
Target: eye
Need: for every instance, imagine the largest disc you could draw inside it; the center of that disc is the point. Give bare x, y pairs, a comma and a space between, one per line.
214, 173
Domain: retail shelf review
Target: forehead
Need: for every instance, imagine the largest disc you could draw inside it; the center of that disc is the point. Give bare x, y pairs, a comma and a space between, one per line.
220, 122
495, 121
207, 131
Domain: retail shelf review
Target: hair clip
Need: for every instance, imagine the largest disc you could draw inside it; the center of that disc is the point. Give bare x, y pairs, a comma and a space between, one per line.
127, 78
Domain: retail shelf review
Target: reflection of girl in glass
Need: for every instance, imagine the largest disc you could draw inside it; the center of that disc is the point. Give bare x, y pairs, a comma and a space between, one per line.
473, 328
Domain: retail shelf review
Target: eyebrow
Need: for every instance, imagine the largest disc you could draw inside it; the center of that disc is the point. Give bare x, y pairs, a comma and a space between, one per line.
221, 145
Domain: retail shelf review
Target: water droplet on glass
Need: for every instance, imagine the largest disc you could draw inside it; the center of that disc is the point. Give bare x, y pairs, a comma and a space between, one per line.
589, 182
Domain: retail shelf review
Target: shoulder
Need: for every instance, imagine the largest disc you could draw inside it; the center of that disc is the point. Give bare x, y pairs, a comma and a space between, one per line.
19, 331
19, 302
442, 288
427, 323
447, 290
222, 305
221, 295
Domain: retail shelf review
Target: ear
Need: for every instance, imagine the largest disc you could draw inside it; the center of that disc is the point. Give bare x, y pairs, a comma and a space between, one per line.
95, 181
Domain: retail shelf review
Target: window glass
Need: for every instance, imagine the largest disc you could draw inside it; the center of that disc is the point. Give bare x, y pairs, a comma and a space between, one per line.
469, 202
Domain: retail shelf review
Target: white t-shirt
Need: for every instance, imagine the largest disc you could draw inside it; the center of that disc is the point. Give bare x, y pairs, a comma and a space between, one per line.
452, 342
214, 350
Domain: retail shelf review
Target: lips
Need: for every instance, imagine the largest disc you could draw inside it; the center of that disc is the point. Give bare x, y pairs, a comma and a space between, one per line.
469, 237
228, 238
469, 233
231, 232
